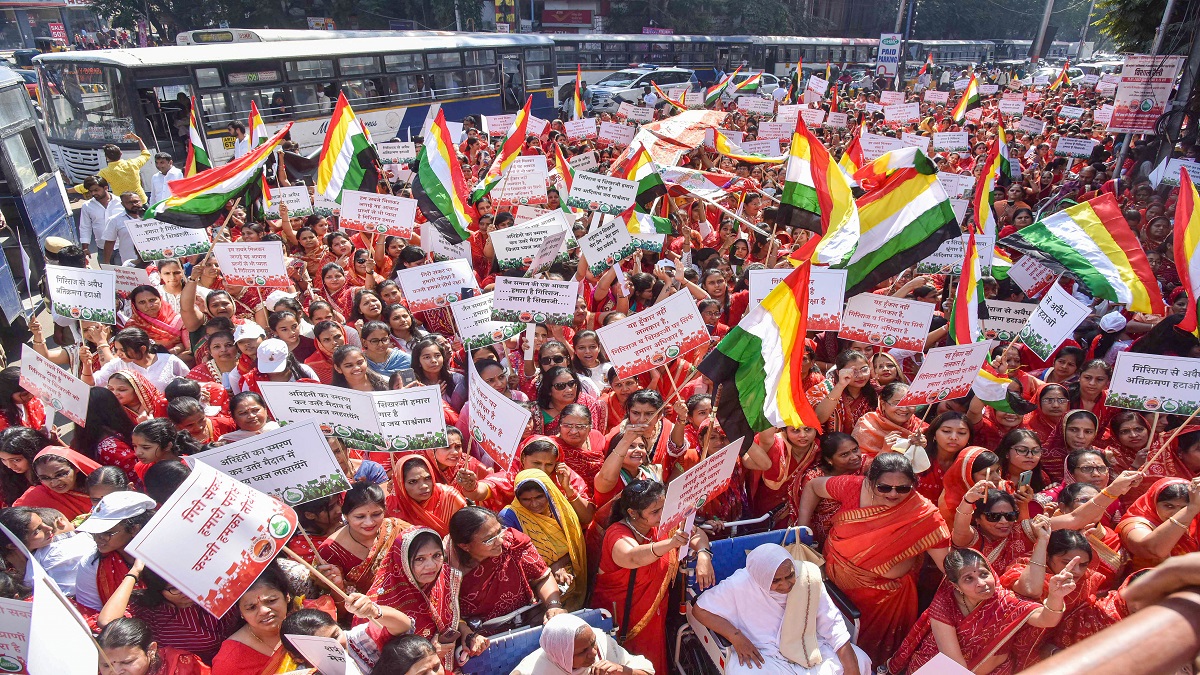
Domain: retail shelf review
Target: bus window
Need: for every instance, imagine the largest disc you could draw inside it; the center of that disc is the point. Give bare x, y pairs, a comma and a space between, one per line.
240, 100
539, 54
26, 171
401, 63
215, 111
482, 57
448, 84
86, 102
358, 65
483, 81
365, 93
445, 60
407, 88
208, 78
539, 76
313, 69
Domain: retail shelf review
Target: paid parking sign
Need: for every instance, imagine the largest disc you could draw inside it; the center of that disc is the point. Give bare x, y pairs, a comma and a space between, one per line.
888, 62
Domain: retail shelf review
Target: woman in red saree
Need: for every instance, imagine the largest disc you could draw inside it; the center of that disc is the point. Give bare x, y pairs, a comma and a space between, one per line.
842, 401
638, 563
879, 429
580, 445
60, 473
337, 289
839, 457
873, 552
1078, 430
18, 407
1181, 460
131, 643
777, 462
415, 497
974, 620
1161, 523
448, 460
972, 465
328, 336
361, 545
138, 395
1052, 403
160, 321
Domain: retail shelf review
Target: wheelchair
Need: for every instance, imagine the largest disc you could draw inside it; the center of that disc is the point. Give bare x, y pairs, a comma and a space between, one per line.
700, 651
507, 649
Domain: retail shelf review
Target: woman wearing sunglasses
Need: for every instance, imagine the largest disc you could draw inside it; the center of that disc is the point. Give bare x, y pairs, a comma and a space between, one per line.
875, 547
989, 521
559, 387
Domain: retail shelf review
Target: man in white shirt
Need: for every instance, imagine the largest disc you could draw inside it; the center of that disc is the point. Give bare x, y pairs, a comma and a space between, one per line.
241, 145
94, 214
116, 230
167, 172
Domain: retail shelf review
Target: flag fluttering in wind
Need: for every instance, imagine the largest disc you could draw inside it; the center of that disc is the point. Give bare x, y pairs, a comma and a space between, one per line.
197, 157
678, 105
1187, 248
636, 165
927, 65
852, 157
1001, 263
439, 187
814, 184
266, 193
730, 148
993, 389
1063, 77
758, 365
257, 129
1093, 243
348, 160
566, 173
750, 83
713, 93
510, 150
994, 166
968, 307
207, 192
577, 107
969, 101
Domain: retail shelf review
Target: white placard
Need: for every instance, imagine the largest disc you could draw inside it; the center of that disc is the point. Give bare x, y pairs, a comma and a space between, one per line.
326, 655
523, 214
15, 617
1070, 112
1011, 107
534, 301
441, 248
497, 421
837, 120
1155, 383
1005, 319
912, 140
817, 85
581, 129
71, 651
779, 130
473, 317
988, 89
551, 247
345, 413
826, 293
948, 258
77, 293
411, 418
294, 197
935, 96
437, 284
961, 83
497, 126
129, 278
56, 387
887, 98
756, 104
951, 141
259, 264
394, 152
156, 240
524, 182
765, 148
620, 135
1054, 320
380, 214
902, 112
292, 463
946, 373
654, 336
607, 194
606, 244
1031, 276
874, 145
1031, 125
1103, 115
813, 117
886, 321
690, 490
515, 247
1074, 147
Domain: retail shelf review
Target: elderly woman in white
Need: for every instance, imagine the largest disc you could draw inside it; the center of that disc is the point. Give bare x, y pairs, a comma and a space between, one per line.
571, 647
779, 619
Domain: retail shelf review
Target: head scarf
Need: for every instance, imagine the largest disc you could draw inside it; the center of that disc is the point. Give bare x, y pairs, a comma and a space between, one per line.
558, 640
435, 513
958, 481
82, 463
152, 401
556, 534
165, 329
1146, 506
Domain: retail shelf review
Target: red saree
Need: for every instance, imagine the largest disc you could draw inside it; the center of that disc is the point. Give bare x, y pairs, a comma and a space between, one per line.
647, 632
435, 512
360, 572
986, 631
178, 662
1143, 512
585, 460
865, 543
874, 427
1028, 643
165, 329
35, 416
72, 504
846, 413
497, 586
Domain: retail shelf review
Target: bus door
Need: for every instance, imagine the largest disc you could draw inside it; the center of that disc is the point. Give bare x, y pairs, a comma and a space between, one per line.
164, 100
512, 80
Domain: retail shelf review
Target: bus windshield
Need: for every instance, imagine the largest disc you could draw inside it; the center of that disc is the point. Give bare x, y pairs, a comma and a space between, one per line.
85, 102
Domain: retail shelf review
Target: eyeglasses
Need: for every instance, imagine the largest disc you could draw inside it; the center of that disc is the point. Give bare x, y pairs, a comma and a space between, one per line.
1028, 452
560, 386
547, 360
1094, 470
1055, 401
1010, 516
494, 538
575, 427
377, 341
884, 488
61, 475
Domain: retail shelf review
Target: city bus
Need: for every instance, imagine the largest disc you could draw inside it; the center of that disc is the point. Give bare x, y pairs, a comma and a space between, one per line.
93, 98
601, 55
214, 36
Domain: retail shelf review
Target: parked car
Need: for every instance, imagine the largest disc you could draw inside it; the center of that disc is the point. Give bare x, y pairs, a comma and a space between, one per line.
630, 85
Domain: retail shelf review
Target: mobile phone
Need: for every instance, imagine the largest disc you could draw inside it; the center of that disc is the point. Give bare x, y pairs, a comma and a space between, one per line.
1025, 478
407, 376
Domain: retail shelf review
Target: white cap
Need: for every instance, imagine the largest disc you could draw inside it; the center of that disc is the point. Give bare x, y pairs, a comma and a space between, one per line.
115, 507
248, 330
272, 356
1113, 322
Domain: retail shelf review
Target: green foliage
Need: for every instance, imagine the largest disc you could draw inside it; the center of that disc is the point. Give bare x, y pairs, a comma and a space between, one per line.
1130, 24
717, 17
997, 19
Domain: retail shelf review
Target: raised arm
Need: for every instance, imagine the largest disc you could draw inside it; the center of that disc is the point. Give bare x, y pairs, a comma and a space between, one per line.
813, 493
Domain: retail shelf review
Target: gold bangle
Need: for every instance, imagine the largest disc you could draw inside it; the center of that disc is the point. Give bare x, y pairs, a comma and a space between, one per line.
1108, 494
1172, 519
1051, 609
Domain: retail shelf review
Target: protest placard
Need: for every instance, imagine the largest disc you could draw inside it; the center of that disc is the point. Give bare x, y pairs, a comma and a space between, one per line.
1155, 383
1167, 173
294, 197
1009, 106
441, 248
974, 115
694, 99
473, 317
957, 186
826, 289
606, 244
77, 293
941, 664
525, 213
948, 258
619, 135
887, 321
813, 117
911, 140
648, 241
1053, 321
874, 145
756, 104
1031, 125
1031, 276
404, 152
584, 161
156, 240
581, 129
292, 463
1074, 147
732, 134
988, 89
635, 113
887, 98
768, 130
961, 83
787, 114
817, 85
381, 214
1145, 87
902, 112
411, 418
691, 490
1103, 114
1033, 96
935, 96
524, 182
606, 194
1041, 80
129, 278
1070, 112
497, 421
837, 120
341, 412
58, 641
515, 247
325, 654
213, 537
436, 284
537, 126
951, 141
654, 336
534, 301
765, 148
548, 251
946, 373
497, 126
260, 264
15, 618
1005, 319
56, 387
325, 207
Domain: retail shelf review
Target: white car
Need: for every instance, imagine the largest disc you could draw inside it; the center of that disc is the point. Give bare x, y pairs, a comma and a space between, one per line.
768, 84
631, 84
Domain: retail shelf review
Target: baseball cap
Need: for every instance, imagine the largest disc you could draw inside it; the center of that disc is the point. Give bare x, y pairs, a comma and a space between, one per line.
248, 330
113, 508
272, 356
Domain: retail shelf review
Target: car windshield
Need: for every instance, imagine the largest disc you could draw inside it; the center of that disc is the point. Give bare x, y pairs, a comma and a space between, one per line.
619, 80
85, 102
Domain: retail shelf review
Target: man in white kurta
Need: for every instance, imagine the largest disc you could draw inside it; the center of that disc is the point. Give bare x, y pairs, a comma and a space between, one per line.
748, 605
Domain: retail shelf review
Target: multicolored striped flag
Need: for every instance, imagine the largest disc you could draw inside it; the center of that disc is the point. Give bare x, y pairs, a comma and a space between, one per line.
750, 83
994, 166
637, 165
207, 192
992, 388
968, 307
728, 147
758, 366
256, 131
713, 93
348, 160
266, 193
927, 65
566, 172
969, 101
833, 98
1001, 262
1187, 248
197, 157
852, 157
510, 150
815, 185
439, 187
577, 108
678, 105
1063, 78
1093, 243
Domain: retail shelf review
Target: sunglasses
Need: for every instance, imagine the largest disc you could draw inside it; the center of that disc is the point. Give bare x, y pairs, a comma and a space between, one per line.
547, 360
884, 488
1010, 516
562, 386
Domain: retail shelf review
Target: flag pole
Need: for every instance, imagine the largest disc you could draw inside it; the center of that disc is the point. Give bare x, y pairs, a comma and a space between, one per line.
342, 595
1167, 443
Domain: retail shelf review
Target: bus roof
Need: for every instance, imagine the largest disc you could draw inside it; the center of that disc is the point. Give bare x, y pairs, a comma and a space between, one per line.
637, 37
239, 35
830, 41
252, 51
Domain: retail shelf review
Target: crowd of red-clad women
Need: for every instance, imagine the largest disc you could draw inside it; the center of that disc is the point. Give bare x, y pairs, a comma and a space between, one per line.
428, 545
